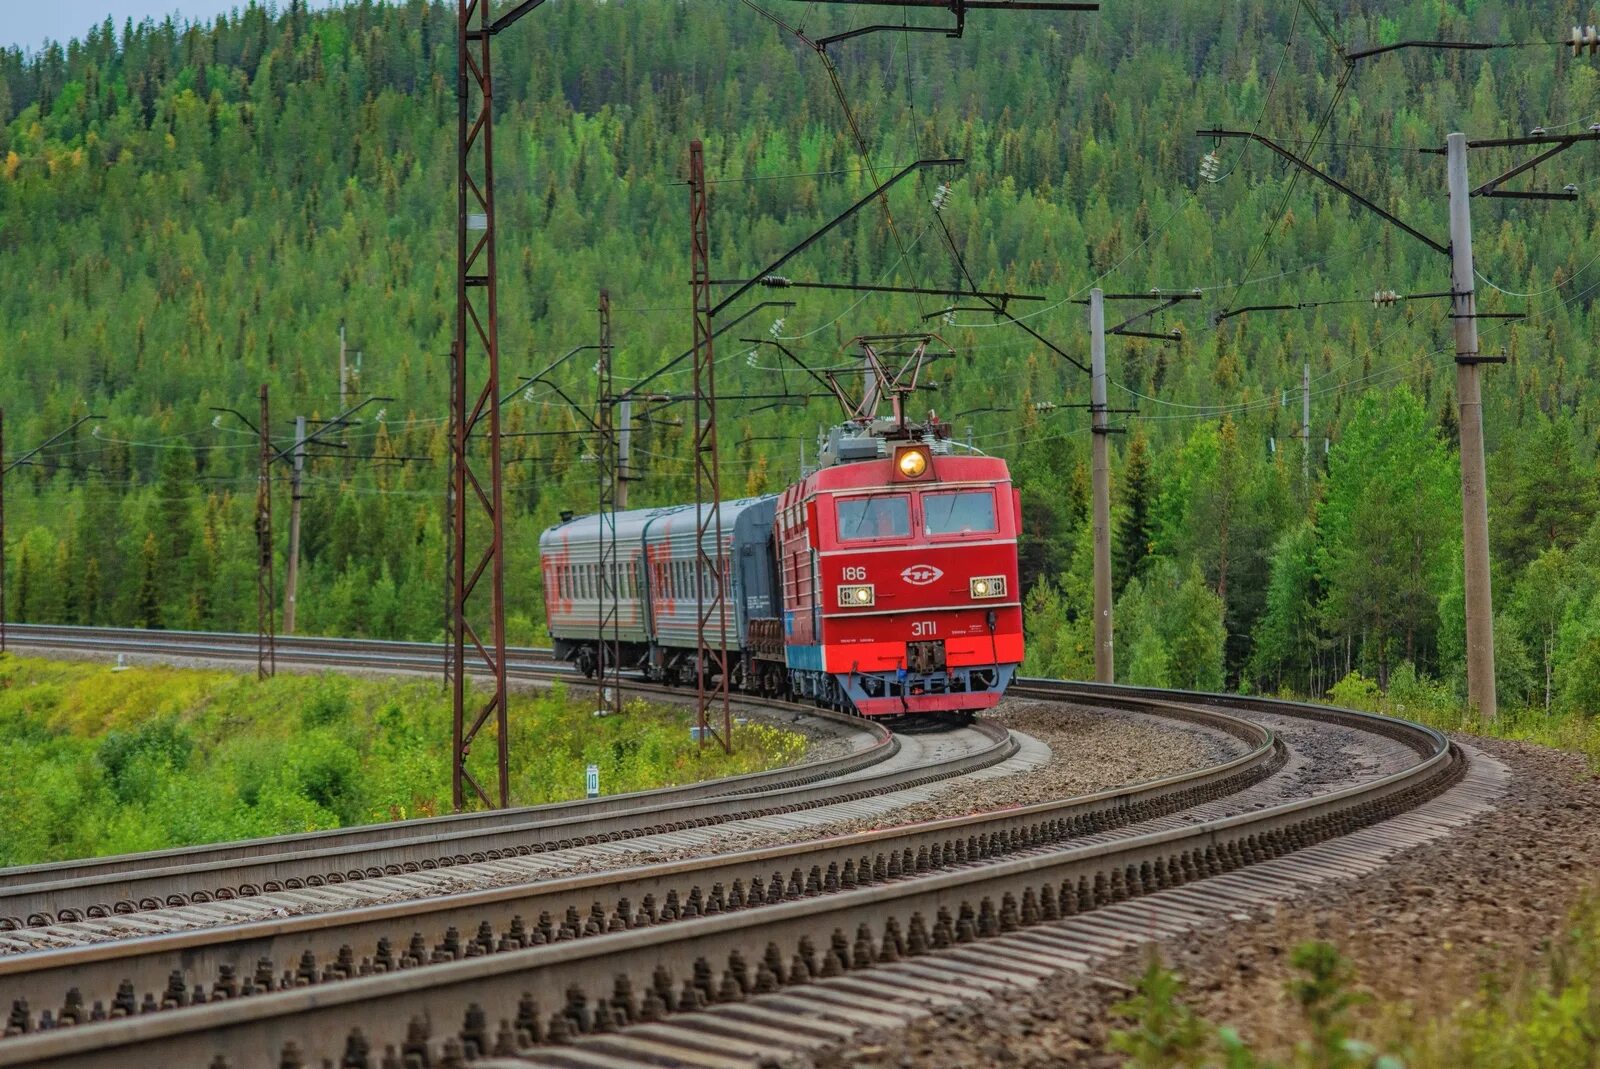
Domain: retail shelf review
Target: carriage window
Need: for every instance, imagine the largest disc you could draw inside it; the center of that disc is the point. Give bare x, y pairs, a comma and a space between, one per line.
964, 511
874, 516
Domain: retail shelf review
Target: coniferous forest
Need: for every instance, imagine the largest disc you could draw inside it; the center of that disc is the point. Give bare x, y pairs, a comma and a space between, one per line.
187, 211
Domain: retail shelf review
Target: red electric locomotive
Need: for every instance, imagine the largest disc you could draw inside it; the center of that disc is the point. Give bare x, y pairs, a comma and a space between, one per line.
899, 578
883, 583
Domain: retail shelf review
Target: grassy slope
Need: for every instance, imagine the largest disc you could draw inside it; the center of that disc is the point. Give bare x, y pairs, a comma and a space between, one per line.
107, 762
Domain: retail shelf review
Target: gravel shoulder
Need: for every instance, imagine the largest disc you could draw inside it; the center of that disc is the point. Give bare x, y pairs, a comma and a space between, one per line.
1422, 933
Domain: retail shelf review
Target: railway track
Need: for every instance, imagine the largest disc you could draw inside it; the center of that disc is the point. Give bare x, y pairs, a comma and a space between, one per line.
551, 970
293, 871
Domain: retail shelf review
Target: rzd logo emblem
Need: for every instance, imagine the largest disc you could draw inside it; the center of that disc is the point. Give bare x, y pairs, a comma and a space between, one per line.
920, 574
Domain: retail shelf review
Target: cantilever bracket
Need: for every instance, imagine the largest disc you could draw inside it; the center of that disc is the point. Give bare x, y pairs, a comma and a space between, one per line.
1278, 149
822, 231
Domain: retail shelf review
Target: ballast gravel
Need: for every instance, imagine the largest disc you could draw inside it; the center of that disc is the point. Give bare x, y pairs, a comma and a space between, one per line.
1489, 899
1090, 750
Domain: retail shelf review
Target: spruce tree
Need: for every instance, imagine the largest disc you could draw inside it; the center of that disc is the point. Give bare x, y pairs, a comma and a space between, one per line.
147, 602
1133, 531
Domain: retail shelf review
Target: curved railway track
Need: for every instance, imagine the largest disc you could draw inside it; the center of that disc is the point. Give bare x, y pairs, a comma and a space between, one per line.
551, 970
38, 896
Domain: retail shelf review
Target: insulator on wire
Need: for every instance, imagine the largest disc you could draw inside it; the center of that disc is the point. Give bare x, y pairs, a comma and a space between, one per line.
1044, 406
1585, 37
940, 196
1381, 298
776, 282
382, 416
950, 317
216, 421
527, 396
1211, 166
750, 358
777, 328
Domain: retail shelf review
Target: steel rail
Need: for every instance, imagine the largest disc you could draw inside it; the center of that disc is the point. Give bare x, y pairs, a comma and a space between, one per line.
607, 974
295, 944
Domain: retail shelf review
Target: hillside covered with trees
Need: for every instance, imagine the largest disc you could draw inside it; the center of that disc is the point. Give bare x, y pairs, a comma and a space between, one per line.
189, 210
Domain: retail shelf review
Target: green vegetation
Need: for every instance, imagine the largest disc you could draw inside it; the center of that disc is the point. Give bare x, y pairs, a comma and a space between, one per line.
1541, 1019
1431, 702
187, 211
109, 762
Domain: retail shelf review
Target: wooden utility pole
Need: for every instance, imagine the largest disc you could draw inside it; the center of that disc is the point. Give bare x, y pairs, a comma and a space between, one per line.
291, 588
1104, 661
1469, 396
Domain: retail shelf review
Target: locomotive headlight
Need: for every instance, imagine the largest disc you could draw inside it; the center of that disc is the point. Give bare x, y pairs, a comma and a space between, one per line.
988, 586
912, 462
856, 597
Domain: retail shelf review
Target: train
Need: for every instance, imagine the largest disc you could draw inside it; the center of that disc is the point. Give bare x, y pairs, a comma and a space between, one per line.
884, 584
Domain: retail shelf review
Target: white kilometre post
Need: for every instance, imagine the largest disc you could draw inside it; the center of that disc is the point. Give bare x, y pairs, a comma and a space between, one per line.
1104, 665
1469, 395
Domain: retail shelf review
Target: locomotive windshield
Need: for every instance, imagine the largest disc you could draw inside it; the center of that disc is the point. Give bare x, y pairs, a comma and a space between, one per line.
877, 516
964, 511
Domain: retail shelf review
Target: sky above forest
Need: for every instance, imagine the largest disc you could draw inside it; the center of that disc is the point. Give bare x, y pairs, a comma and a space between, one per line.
30, 24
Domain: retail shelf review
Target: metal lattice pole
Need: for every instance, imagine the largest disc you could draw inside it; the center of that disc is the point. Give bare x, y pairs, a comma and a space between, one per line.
609, 667
475, 415
266, 644
710, 561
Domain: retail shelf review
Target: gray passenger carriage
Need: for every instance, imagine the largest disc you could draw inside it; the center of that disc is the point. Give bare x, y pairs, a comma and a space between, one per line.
569, 557
656, 560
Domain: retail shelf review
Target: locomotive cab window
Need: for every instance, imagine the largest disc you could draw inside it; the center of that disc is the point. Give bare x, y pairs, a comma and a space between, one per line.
874, 516
961, 512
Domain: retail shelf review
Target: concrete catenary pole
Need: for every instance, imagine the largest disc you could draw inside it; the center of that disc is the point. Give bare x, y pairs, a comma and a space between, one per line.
1305, 424
1474, 498
291, 586
624, 451
1104, 667
344, 370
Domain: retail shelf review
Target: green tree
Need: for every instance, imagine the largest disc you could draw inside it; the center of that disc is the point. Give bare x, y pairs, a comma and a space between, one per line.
147, 602
1134, 525
1287, 636
1170, 630
1543, 497
1386, 524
